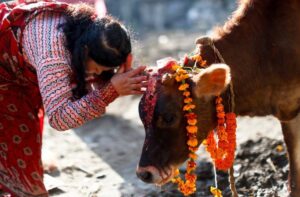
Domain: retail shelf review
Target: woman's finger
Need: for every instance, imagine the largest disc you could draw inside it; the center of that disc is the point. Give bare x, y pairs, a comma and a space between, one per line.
144, 84
138, 79
136, 86
136, 92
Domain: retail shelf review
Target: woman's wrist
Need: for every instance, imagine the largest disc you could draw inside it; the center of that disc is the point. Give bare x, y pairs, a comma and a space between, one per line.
108, 93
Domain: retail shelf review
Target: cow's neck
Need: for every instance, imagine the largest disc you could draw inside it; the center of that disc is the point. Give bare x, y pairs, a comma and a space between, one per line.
265, 64
243, 50
248, 80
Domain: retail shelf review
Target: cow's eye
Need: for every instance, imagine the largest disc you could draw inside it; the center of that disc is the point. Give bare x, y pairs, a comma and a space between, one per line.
168, 118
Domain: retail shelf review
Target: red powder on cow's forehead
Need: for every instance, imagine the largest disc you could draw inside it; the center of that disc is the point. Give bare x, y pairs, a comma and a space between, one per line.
149, 101
150, 96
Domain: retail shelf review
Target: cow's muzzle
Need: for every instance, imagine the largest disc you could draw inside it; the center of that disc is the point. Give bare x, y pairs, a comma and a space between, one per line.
151, 174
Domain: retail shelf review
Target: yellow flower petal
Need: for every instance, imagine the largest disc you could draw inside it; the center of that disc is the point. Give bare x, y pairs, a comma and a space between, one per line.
183, 87
181, 71
181, 77
279, 148
203, 63
216, 192
189, 107
193, 156
188, 100
192, 142
192, 121
178, 78
175, 67
186, 93
192, 129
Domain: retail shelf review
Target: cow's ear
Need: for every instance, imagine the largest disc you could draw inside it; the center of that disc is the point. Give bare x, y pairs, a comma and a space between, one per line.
212, 81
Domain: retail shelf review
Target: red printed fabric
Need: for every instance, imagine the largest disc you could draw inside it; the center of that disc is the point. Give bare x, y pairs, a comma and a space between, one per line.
21, 112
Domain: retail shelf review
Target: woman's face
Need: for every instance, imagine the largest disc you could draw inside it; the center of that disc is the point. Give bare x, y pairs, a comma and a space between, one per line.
93, 68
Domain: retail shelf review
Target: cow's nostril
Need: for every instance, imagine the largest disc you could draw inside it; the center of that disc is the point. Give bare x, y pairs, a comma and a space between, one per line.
145, 176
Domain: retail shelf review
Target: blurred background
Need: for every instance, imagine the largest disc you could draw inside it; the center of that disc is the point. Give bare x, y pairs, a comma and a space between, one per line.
168, 27
99, 159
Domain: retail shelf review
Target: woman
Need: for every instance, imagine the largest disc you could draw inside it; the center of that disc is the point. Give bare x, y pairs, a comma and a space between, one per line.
49, 53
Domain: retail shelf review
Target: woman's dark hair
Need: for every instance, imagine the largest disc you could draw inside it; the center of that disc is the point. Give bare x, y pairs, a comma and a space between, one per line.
105, 40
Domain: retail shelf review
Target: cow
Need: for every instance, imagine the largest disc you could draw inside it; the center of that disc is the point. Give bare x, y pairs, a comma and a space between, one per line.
260, 45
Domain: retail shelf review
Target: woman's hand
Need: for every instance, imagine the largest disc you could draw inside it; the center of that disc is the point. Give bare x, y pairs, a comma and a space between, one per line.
129, 81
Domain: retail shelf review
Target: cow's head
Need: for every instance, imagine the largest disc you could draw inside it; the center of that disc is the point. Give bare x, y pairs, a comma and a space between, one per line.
161, 112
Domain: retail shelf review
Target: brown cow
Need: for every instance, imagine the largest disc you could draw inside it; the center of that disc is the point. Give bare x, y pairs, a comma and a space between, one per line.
261, 47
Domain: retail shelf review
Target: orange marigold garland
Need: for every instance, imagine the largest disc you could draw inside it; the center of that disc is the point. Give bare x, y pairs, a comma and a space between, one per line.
221, 150
187, 187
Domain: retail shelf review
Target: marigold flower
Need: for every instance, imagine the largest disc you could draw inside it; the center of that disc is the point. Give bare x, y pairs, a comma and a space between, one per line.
231, 122
192, 121
188, 100
221, 114
216, 192
183, 87
187, 189
189, 107
177, 172
191, 115
193, 156
220, 153
231, 116
191, 177
219, 108
175, 67
279, 148
191, 164
221, 128
222, 134
186, 93
192, 129
203, 63
193, 149
181, 77
192, 142
221, 121
181, 71
176, 180
196, 58
178, 78
218, 100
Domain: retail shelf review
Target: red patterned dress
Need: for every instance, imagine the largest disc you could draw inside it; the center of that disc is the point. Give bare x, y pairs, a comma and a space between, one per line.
35, 76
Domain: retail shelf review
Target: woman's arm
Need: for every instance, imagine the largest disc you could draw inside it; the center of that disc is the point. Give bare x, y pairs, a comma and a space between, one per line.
43, 46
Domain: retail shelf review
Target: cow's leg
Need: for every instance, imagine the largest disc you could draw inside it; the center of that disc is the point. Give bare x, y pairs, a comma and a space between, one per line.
291, 132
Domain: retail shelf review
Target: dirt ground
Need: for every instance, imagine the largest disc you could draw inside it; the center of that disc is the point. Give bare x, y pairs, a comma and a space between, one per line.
99, 159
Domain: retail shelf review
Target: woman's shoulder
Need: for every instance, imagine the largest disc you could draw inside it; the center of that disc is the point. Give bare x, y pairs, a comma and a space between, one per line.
43, 40
45, 17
